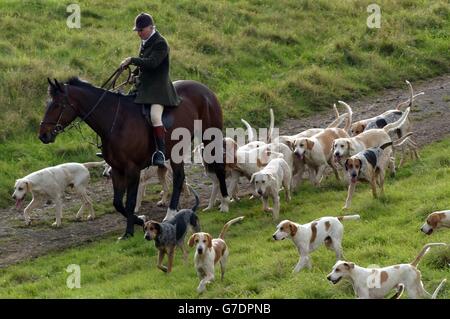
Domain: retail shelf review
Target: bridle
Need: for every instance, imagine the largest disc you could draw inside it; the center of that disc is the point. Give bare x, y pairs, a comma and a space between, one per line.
59, 128
64, 105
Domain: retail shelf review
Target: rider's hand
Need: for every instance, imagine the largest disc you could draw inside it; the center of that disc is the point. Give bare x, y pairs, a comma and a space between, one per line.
125, 63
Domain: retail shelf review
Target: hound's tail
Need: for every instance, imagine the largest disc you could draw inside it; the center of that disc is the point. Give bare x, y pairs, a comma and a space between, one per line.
349, 217
424, 251
271, 127
339, 118
93, 164
399, 293
251, 136
397, 124
435, 293
227, 225
409, 102
197, 200
398, 142
348, 124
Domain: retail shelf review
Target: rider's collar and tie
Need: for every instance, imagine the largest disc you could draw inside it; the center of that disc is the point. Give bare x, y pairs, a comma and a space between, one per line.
153, 32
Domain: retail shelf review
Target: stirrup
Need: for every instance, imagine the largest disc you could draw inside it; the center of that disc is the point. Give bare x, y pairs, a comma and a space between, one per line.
158, 162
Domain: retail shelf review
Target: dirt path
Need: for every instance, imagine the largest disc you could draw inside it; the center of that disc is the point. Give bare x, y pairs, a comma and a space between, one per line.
17, 243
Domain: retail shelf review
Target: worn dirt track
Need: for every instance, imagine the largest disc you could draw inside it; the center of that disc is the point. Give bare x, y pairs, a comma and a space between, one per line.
18, 243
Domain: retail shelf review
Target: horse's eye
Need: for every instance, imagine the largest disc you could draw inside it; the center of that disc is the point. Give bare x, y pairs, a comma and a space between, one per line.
204, 241
337, 270
20, 188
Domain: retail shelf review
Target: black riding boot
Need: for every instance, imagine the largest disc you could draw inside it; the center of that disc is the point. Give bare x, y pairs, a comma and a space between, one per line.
158, 158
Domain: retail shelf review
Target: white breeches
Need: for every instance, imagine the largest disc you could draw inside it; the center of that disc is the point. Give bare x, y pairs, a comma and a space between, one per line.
156, 111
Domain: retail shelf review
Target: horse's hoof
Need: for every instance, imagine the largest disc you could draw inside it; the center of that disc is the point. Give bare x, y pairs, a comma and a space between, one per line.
56, 225
125, 236
28, 222
206, 209
90, 217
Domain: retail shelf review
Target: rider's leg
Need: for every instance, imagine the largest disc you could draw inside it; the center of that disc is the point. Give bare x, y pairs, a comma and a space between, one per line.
158, 157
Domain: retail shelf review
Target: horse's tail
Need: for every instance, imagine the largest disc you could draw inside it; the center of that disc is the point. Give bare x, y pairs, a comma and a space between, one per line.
93, 164
197, 200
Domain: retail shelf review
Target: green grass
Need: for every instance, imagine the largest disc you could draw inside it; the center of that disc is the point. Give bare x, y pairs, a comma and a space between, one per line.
296, 56
259, 267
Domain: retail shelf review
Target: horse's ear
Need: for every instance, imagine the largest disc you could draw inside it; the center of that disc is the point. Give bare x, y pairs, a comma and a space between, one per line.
50, 82
58, 86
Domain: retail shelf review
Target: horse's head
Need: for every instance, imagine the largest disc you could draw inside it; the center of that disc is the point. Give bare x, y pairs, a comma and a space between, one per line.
59, 113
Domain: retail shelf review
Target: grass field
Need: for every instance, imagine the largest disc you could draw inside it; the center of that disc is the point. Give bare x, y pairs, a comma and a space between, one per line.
296, 56
259, 267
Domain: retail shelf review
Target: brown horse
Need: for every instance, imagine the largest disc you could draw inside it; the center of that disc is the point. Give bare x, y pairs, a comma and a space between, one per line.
127, 140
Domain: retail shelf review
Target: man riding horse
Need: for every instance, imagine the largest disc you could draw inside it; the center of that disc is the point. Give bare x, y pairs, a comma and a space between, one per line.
153, 86
118, 121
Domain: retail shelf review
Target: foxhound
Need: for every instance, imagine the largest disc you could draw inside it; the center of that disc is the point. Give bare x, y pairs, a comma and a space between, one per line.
50, 183
208, 252
268, 182
343, 148
388, 117
370, 166
308, 237
374, 283
170, 234
435, 221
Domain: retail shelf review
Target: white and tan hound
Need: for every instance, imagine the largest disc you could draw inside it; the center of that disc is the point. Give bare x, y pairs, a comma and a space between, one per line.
435, 221
268, 182
308, 237
208, 252
375, 283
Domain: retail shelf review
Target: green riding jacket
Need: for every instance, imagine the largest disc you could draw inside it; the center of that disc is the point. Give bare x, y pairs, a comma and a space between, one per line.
153, 84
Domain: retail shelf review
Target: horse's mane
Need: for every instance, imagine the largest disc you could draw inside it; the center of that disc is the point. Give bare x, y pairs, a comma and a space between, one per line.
76, 81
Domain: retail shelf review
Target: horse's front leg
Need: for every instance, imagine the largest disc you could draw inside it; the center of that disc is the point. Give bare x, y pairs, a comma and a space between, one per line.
132, 190
177, 185
119, 187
